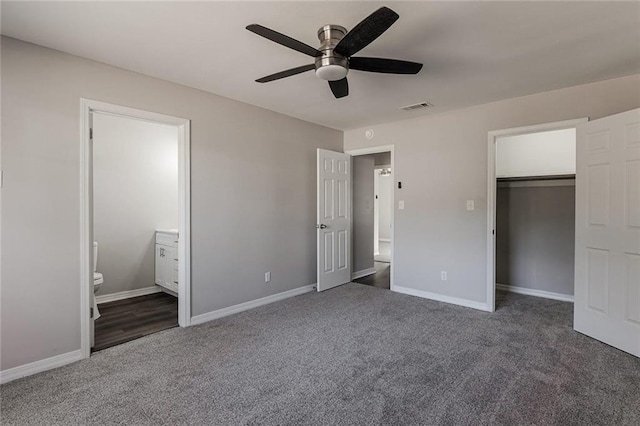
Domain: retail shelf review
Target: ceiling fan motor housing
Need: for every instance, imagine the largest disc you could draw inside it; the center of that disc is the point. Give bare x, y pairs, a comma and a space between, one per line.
331, 66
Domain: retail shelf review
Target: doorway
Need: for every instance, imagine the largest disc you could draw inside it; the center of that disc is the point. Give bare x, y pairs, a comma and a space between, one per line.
135, 218
372, 248
531, 218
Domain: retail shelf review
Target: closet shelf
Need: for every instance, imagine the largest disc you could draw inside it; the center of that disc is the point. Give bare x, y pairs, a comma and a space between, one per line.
530, 178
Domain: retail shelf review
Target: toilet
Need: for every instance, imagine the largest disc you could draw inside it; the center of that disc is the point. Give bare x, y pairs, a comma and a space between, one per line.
97, 276
97, 280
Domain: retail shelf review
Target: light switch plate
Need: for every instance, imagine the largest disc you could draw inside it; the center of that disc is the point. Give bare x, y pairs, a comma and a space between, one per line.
401, 204
471, 205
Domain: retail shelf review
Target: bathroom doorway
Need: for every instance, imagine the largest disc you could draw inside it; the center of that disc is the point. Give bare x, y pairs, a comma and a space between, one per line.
373, 205
135, 234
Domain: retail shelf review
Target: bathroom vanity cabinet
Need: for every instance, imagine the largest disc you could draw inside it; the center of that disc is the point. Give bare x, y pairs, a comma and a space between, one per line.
167, 259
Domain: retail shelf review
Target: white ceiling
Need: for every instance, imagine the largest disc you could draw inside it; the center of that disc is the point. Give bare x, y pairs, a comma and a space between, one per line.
474, 52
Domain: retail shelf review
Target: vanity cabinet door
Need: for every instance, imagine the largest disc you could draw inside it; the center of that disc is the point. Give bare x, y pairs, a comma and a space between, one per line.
166, 272
160, 264
170, 254
167, 267
174, 279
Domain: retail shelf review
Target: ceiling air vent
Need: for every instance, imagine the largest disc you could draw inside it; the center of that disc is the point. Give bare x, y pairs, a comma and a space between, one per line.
421, 105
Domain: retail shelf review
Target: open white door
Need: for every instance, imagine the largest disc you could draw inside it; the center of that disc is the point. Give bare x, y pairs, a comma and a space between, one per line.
334, 219
607, 275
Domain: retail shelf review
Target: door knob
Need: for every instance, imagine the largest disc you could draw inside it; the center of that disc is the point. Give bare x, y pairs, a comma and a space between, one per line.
321, 226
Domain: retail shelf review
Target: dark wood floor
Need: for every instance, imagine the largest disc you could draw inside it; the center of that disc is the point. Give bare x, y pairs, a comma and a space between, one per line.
129, 319
381, 279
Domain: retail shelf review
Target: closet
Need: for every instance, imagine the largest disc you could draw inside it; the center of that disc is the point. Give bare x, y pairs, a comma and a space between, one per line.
535, 213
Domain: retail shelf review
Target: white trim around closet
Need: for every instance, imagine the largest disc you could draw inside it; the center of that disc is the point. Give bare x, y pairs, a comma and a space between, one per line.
491, 193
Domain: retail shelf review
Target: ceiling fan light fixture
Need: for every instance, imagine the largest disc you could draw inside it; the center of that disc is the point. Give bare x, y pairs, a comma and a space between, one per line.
331, 72
334, 58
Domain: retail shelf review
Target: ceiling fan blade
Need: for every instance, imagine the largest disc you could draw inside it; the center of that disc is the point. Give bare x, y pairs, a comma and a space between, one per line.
383, 65
366, 31
286, 73
340, 88
284, 40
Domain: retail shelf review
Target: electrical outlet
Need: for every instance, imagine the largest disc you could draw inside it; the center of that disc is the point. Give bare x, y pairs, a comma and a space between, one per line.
267, 277
443, 275
401, 205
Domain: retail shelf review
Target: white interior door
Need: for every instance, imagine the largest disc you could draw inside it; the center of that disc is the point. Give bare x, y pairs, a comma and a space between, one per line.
334, 219
607, 276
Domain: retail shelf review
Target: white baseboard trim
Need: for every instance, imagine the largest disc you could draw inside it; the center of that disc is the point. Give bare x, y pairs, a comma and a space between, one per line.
442, 298
363, 273
385, 240
171, 292
25, 370
127, 294
209, 316
536, 293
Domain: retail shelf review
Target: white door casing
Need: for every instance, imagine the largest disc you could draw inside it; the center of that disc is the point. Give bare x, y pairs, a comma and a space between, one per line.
87, 108
491, 192
333, 219
607, 259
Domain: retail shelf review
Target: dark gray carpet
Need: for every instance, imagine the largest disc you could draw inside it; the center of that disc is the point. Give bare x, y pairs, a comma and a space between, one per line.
351, 355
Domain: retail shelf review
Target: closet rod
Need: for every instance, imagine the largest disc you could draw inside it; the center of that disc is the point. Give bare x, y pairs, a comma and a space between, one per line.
525, 178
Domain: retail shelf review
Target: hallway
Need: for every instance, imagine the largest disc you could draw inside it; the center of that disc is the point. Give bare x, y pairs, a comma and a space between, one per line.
381, 279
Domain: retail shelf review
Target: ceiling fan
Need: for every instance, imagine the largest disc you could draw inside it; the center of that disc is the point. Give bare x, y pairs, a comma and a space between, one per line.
334, 58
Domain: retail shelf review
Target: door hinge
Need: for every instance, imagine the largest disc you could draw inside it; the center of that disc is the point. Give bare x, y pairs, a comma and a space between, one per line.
90, 312
91, 133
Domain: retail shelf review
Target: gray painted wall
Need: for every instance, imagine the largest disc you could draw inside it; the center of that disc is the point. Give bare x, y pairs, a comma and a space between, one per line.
382, 158
441, 160
135, 192
535, 237
363, 193
253, 192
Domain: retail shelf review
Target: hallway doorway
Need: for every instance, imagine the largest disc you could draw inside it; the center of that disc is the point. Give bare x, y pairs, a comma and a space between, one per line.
373, 186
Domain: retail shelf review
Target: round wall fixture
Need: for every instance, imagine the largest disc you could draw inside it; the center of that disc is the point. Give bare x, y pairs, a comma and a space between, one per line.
369, 133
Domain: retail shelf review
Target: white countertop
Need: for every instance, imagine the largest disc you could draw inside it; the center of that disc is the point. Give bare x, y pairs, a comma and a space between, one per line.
167, 231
